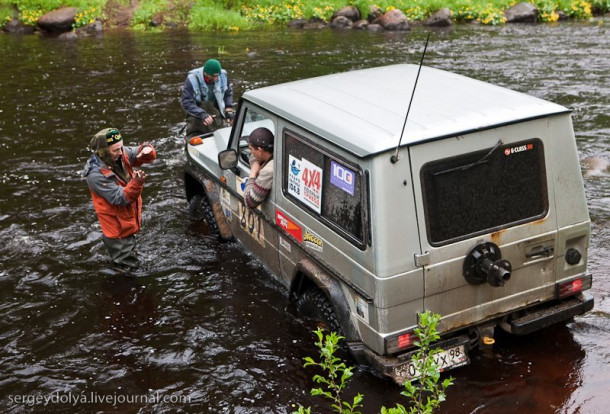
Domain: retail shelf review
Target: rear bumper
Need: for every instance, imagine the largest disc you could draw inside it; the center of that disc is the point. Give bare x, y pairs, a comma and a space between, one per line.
399, 367
562, 311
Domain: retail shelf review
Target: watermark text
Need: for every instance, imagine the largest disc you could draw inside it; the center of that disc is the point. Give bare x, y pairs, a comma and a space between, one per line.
95, 398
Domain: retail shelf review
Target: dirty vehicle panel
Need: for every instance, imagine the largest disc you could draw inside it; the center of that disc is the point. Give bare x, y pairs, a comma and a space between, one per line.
482, 218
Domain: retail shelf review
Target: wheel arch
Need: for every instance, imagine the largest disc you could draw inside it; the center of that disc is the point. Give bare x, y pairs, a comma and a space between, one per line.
193, 185
310, 275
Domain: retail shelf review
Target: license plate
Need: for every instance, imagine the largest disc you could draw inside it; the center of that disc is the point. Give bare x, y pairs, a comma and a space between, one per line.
449, 358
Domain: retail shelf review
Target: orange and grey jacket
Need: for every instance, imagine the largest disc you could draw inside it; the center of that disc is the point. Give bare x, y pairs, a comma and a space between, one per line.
118, 204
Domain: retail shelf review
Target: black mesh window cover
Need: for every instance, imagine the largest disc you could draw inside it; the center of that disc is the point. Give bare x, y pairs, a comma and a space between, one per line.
484, 191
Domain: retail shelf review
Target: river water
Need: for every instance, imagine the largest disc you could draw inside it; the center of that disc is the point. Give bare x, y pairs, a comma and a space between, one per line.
206, 329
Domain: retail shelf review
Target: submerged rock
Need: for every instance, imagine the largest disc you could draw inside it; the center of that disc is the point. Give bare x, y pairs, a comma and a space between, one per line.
297, 23
361, 24
341, 22
92, 29
16, 27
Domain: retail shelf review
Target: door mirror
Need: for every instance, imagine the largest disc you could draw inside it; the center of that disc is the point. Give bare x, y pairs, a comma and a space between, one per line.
227, 159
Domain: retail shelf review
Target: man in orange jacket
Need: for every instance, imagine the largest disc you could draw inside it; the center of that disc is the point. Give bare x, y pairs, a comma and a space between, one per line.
116, 190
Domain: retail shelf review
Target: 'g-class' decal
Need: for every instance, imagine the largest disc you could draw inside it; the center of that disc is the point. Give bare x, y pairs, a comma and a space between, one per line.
520, 148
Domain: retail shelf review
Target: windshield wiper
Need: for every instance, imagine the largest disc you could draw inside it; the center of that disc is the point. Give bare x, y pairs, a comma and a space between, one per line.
465, 167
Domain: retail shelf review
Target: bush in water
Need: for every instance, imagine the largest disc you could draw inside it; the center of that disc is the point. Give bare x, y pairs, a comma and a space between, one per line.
424, 392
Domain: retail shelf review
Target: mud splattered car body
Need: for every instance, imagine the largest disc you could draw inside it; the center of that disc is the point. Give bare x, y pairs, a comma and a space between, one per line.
481, 219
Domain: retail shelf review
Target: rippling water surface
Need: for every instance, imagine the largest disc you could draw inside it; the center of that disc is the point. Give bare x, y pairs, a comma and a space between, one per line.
205, 329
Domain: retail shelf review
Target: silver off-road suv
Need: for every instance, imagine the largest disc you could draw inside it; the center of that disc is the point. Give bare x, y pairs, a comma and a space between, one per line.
479, 214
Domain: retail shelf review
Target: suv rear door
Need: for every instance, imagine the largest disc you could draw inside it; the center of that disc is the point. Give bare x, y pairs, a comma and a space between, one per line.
488, 187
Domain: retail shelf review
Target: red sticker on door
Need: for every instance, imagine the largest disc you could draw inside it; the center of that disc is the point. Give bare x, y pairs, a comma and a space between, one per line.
288, 225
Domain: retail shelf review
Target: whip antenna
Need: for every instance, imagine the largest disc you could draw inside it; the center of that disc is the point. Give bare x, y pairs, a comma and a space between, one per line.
394, 158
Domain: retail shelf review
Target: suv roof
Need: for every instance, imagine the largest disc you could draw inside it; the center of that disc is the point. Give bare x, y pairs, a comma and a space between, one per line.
363, 111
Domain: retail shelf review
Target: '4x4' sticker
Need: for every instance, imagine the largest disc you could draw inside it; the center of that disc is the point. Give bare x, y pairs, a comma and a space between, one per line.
305, 182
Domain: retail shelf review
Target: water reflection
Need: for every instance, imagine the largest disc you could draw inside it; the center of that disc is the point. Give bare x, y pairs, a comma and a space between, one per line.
204, 320
536, 378
126, 308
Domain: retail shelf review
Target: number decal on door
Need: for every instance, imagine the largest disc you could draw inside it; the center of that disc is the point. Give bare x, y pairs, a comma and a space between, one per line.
252, 223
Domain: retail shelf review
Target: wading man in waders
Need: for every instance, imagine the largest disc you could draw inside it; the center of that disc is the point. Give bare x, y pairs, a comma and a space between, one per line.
116, 190
207, 99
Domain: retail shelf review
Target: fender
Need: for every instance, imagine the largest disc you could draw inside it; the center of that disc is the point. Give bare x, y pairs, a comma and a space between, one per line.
211, 193
332, 289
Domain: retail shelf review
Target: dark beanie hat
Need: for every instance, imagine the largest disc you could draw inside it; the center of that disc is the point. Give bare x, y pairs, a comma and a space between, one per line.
105, 138
212, 67
112, 135
261, 137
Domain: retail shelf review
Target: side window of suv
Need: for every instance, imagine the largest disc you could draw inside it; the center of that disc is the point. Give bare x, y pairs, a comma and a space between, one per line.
325, 185
253, 118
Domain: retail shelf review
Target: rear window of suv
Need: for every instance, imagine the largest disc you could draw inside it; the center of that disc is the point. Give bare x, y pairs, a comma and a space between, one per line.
484, 191
325, 185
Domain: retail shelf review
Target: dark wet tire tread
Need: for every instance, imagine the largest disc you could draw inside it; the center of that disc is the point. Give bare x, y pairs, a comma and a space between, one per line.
315, 305
200, 209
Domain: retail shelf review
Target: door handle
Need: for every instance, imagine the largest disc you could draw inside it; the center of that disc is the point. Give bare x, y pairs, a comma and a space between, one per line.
546, 252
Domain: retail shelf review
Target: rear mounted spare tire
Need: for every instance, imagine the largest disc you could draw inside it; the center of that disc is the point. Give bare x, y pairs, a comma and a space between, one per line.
313, 304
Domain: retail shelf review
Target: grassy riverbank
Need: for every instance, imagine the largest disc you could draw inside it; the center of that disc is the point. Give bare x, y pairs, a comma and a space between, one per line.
252, 14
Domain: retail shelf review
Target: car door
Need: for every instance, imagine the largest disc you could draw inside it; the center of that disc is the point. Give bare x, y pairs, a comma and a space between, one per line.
487, 190
253, 227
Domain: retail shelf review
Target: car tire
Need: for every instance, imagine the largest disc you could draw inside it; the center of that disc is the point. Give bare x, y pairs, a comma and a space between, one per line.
200, 209
314, 304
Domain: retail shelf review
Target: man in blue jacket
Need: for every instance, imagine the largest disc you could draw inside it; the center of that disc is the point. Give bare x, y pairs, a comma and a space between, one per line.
207, 99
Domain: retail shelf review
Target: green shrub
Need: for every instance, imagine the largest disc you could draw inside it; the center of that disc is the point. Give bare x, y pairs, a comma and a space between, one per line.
274, 12
6, 14
600, 6
424, 392
577, 9
207, 16
321, 10
86, 16
31, 10
547, 10
144, 14
363, 7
